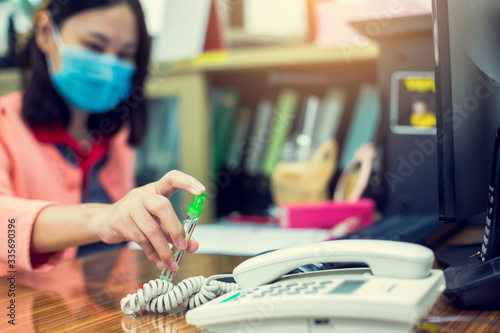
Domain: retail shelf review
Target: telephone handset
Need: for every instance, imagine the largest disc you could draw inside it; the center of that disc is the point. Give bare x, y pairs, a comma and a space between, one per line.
385, 258
398, 287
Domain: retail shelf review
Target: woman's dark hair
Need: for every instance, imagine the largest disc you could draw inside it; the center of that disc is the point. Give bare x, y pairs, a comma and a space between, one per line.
43, 106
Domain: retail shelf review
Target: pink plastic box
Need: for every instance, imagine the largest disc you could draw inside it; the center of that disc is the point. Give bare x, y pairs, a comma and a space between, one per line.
328, 214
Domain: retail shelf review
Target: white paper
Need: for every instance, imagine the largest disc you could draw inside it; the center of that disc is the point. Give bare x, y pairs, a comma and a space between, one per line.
184, 30
250, 240
283, 18
154, 11
333, 17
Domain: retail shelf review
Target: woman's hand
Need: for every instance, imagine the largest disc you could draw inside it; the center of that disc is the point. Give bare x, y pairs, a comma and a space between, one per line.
146, 216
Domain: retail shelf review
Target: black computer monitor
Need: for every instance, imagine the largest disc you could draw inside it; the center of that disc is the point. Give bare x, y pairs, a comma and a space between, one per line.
468, 97
467, 56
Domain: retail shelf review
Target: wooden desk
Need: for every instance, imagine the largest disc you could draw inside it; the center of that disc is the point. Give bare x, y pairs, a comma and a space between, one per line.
84, 295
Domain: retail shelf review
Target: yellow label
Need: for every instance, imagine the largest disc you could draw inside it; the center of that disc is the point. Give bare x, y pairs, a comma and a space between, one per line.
420, 84
210, 58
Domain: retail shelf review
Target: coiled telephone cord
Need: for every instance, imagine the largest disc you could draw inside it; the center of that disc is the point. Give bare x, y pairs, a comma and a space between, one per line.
159, 296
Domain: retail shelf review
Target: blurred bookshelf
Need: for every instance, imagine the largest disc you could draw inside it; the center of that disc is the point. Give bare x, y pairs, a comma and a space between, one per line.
248, 70
252, 72
271, 56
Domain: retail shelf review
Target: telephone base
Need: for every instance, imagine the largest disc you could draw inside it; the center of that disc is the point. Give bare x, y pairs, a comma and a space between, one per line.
473, 284
318, 325
348, 300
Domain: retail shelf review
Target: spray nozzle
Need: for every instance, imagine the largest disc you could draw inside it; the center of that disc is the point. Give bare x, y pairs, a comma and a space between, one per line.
196, 205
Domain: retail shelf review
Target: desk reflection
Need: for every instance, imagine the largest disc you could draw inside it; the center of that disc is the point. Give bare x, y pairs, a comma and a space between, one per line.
172, 323
83, 295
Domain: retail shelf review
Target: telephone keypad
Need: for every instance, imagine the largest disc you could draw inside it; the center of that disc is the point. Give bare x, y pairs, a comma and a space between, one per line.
295, 288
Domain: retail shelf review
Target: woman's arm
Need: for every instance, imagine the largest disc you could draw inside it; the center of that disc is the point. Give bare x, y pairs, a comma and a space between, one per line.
145, 215
58, 227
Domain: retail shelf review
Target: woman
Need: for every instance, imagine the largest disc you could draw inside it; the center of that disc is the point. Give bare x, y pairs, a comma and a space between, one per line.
66, 163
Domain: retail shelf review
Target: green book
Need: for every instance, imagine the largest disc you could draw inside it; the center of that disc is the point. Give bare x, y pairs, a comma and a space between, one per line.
259, 137
240, 134
286, 106
226, 106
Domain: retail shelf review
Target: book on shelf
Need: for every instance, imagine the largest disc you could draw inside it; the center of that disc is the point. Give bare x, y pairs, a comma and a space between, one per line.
225, 108
239, 137
330, 115
364, 122
259, 137
286, 107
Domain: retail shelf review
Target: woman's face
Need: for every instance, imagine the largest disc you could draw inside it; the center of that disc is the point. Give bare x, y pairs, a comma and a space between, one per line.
110, 30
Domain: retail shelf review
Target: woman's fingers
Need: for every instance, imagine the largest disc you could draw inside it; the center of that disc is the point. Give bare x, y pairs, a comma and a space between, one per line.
133, 233
146, 216
192, 245
161, 208
150, 228
175, 180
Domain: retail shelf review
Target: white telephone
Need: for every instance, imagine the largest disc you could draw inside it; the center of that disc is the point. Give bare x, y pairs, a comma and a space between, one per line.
391, 295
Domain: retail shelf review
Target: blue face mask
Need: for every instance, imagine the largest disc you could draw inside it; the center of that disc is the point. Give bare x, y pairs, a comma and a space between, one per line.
91, 81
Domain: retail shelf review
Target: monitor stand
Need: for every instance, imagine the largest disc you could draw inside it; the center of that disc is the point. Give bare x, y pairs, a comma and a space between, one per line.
457, 254
475, 282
